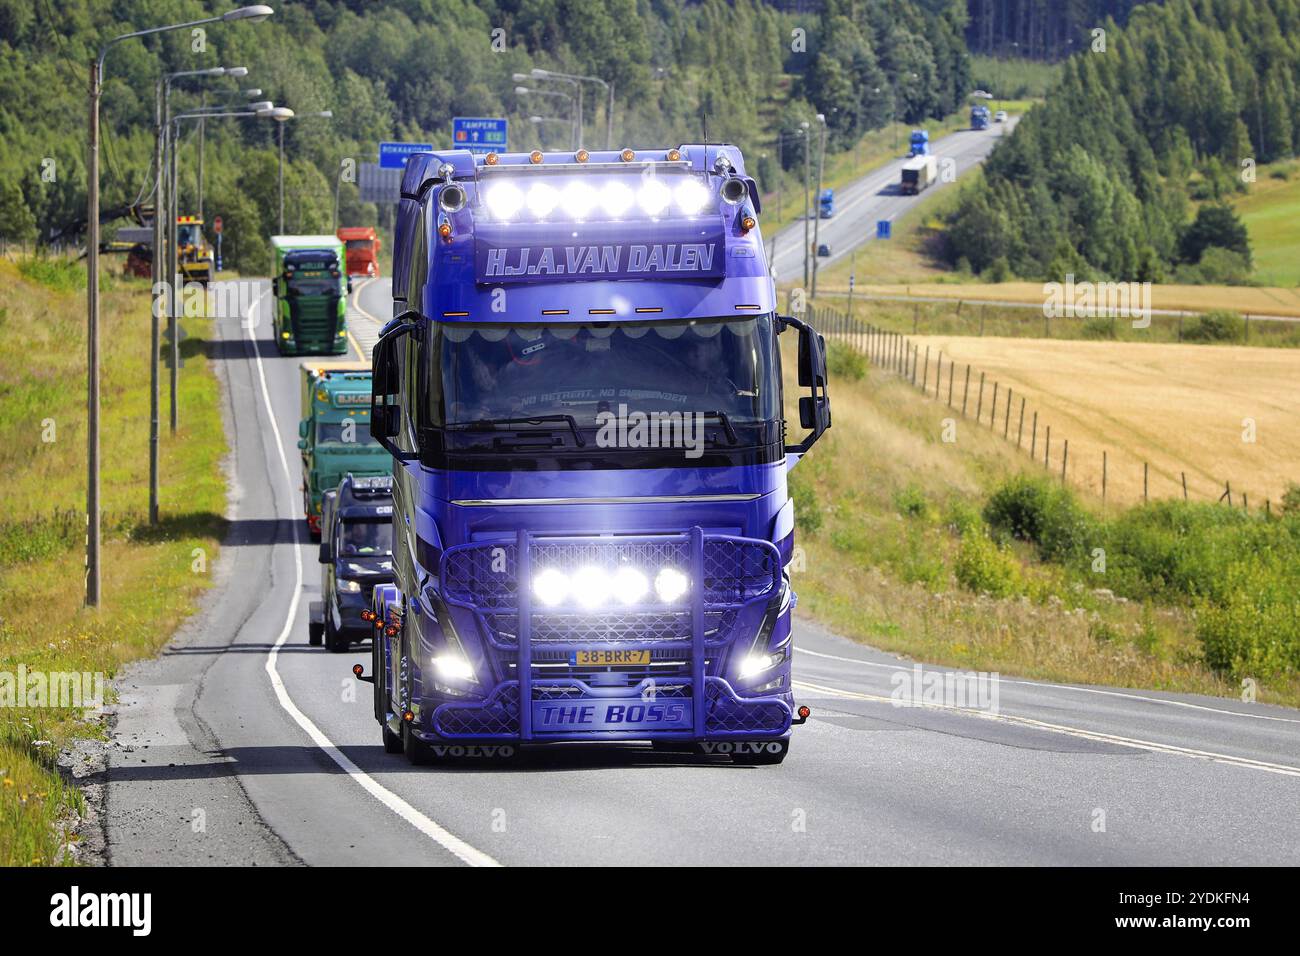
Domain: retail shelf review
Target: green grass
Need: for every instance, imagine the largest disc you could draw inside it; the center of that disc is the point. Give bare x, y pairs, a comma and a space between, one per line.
149, 581
1271, 212
1016, 79
958, 553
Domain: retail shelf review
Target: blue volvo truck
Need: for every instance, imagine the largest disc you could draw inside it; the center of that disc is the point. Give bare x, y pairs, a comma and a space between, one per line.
581, 389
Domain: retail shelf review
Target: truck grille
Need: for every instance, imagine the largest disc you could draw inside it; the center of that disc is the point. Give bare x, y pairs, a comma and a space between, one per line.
314, 320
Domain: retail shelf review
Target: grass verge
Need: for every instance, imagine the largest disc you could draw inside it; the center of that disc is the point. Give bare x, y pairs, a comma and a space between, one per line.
903, 549
151, 576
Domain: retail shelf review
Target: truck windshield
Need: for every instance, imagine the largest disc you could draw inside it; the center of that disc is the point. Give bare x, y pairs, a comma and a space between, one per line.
354, 432
723, 370
360, 245
366, 537
189, 234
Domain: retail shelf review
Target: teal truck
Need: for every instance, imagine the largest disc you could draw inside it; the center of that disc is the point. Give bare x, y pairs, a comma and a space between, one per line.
334, 434
310, 284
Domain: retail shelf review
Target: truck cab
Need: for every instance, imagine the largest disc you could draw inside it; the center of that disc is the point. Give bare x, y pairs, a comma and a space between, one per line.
826, 203
920, 143
582, 394
334, 432
979, 117
310, 288
361, 244
192, 250
356, 553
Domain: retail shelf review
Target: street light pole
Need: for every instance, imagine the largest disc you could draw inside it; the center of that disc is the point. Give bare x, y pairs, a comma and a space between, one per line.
253, 13
807, 145
821, 165
281, 179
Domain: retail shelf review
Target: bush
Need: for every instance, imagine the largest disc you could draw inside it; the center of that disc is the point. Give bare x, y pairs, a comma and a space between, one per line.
1099, 328
845, 362
1217, 326
1043, 513
1224, 267
1291, 499
910, 502
1253, 630
963, 519
984, 567
59, 275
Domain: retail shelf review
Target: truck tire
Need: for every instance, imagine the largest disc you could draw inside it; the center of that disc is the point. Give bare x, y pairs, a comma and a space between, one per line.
335, 642
417, 751
392, 741
315, 630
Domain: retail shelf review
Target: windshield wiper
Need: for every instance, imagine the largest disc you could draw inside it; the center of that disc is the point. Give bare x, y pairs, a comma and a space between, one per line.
487, 424
726, 424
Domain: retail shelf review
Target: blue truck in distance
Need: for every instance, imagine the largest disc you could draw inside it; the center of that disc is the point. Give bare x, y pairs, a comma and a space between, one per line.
920, 143
581, 390
826, 201
979, 117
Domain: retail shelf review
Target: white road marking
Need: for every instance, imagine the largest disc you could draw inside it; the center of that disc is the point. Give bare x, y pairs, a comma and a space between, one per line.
1136, 744
448, 841
1081, 690
364, 339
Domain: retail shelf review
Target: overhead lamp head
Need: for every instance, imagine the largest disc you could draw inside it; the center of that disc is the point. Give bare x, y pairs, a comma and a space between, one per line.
254, 14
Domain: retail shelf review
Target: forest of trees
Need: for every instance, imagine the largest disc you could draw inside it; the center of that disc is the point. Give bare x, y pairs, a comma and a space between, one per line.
1039, 29
1122, 172
403, 68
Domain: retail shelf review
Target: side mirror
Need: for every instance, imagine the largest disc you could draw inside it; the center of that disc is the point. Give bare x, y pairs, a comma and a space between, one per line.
302, 427
349, 285
814, 408
326, 552
385, 387
302, 444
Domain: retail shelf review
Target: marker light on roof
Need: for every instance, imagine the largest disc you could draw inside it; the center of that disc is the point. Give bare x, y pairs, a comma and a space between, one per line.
653, 197
542, 199
577, 199
616, 198
691, 197
504, 200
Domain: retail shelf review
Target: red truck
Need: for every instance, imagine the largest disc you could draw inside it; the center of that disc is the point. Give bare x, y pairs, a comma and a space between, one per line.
362, 250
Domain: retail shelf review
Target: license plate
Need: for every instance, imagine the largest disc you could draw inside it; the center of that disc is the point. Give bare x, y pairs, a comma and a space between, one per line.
608, 658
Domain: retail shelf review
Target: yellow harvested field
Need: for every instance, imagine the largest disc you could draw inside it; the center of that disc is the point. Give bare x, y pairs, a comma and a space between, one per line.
1191, 298
1180, 408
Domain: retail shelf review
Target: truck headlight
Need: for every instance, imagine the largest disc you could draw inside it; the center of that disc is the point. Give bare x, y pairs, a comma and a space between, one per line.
453, 667
551, 587
670, 584
755, 664
629, 585
348, 587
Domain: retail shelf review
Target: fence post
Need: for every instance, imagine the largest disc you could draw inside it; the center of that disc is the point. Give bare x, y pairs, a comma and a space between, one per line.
938, 374
1065, 457
1006, 424
916, 355
1047, 447
1184, 486
925, 376
1033, 440
1103, 477
979, 404
1020, 429
965, 392
952, 373
993, 412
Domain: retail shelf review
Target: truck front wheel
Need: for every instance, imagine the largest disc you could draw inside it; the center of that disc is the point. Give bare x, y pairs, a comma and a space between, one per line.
416, 750
335, 642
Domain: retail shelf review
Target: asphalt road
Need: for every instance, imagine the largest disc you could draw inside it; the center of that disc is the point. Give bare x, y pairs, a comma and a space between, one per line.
241, 744
861, 204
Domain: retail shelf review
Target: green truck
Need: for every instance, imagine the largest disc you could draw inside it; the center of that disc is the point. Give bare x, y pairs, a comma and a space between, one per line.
334, 434
310, 284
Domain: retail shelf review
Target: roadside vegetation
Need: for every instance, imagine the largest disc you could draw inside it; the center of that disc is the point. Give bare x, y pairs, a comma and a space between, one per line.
1127, 169
963, 554
151, 576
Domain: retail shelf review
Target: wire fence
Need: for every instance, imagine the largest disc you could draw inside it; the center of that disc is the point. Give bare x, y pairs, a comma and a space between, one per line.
977, 397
